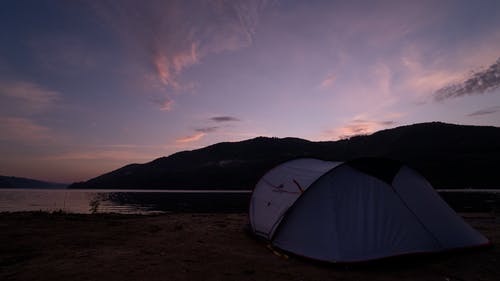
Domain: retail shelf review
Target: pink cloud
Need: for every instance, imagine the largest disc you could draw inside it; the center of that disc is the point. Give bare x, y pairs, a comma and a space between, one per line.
185, 59
27, 96
423, 79
328, 81
363, 127
354, 129
358, 126
168, 68
191, 138
159, 32
163, 71
165, 104
448, 72
23, 130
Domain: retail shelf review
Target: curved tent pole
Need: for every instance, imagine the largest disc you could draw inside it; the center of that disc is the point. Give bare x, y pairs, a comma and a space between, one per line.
298, 185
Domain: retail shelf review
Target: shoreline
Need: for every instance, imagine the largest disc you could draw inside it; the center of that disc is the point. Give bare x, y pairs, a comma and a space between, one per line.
200, 246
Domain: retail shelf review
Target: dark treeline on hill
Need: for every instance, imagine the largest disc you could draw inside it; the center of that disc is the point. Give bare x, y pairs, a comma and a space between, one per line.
449, 156
15, 182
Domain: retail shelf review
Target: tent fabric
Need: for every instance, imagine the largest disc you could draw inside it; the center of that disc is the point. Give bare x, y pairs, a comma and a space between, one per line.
278, 189
347, 213
445, 225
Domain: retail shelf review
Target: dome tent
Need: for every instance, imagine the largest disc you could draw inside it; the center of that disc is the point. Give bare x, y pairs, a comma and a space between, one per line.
360, 210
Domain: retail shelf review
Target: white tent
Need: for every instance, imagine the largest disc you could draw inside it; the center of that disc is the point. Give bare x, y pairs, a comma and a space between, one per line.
360, 210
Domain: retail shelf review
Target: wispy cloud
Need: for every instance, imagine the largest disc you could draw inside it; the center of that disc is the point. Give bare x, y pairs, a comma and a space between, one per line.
328, 81
20, 103
168, 43
169, 68
207, 129
164, 103
191, 138
27, 96
203, 131
224, 119
478, 82
23, 130
485, 111
420, 76
380, 123
360, 127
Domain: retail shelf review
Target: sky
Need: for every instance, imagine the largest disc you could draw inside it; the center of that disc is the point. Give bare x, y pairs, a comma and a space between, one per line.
87, 87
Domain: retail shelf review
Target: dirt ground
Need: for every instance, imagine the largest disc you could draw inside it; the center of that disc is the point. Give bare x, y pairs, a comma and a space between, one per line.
42, 246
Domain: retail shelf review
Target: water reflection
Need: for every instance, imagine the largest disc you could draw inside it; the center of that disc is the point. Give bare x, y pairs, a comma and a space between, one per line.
120, 201
158, 201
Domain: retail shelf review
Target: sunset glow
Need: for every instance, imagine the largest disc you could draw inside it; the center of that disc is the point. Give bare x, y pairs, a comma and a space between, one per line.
89, 86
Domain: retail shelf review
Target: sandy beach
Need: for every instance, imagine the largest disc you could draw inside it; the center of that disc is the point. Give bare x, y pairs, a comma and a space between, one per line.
58, 246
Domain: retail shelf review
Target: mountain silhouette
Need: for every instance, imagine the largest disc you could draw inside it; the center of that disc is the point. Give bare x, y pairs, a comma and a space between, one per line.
16, 182
448, 155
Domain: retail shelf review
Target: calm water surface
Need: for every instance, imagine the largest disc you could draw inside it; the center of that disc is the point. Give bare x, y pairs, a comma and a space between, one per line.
123, 201
163, 201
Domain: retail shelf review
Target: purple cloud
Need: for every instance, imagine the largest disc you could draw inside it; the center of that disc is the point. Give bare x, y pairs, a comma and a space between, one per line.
477, 83
220, 119
358, 127
191, 138
485, 111
207, 129
164, 103
28, 97
169, 43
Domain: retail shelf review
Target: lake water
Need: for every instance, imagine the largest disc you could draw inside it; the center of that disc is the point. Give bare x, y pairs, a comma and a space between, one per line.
162, 201
123, 201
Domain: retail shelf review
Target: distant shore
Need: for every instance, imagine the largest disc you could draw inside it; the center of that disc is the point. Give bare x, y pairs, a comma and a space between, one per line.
59, 246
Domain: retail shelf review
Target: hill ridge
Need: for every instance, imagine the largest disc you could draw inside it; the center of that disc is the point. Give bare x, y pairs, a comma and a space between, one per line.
20, 182
449, 155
